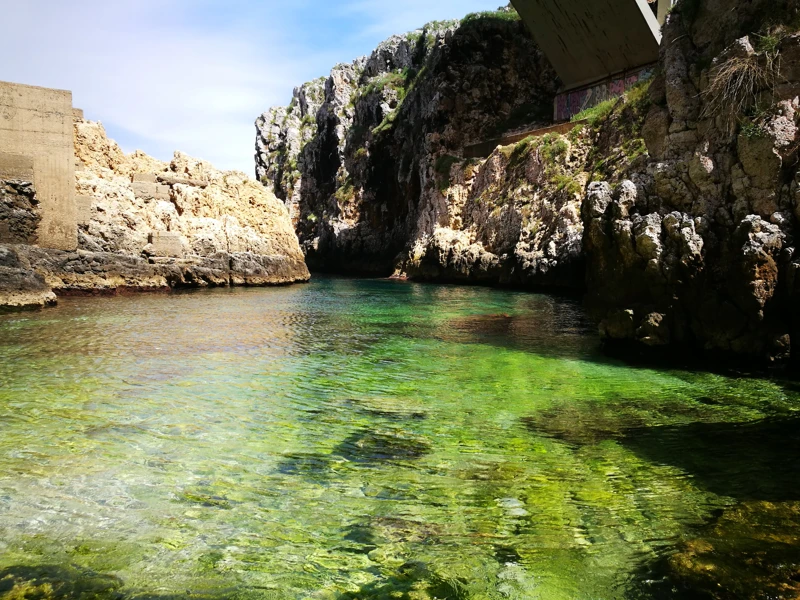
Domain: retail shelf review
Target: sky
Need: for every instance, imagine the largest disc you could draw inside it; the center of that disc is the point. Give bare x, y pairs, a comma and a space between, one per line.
193, 75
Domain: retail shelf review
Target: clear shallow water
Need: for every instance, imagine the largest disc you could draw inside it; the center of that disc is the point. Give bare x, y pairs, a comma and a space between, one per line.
362, 439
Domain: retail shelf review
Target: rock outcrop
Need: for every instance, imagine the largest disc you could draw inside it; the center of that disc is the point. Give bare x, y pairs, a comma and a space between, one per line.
697, 249
147, 225
210, 226
513, 218
19, 212
20, 286
365, 159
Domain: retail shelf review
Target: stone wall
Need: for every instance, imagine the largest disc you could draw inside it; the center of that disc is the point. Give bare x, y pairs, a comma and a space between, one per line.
36, 128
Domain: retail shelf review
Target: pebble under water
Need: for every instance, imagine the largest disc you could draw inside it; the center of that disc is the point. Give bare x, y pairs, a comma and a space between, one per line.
354, 439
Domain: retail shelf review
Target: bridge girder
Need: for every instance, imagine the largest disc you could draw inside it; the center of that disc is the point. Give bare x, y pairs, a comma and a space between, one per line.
589, 40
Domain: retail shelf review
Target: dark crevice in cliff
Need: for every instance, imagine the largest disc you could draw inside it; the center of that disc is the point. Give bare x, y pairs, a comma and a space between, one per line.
362, 201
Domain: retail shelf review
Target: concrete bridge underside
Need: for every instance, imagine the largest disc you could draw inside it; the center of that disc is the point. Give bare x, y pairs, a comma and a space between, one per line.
588, 40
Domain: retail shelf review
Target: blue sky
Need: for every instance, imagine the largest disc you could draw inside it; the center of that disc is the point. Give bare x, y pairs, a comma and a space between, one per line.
193, 75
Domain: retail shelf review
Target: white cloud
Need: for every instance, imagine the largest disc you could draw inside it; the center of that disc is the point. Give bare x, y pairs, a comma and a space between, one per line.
188, 74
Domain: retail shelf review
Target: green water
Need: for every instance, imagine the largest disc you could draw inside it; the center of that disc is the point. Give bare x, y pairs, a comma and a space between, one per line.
361, 439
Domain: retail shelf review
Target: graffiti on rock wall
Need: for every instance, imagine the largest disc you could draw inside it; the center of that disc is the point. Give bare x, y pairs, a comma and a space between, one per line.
571, 103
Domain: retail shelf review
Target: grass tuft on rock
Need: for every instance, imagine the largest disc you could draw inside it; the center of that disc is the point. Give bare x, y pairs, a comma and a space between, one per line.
596, 113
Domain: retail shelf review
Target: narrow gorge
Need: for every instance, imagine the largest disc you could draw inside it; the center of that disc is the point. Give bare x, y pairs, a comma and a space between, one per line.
673, 208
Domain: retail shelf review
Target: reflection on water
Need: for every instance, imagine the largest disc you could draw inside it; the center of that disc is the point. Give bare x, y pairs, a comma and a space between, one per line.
352, 439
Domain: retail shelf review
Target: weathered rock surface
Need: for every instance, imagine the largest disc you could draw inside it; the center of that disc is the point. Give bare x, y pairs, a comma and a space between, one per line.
698, 248
19, 212
85, 272
512, 219
749, 553
148, 225
220, 222
365, 159
20, 286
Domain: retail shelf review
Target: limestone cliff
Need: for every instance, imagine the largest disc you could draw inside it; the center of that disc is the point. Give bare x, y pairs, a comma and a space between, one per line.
203, 225
148, 225
680, 199
363, 158
698, 248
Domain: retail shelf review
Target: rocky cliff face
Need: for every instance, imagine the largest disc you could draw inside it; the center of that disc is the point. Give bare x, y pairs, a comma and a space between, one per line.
681, 199
19, 212
365, 158
147, 225
698, 247
183, 223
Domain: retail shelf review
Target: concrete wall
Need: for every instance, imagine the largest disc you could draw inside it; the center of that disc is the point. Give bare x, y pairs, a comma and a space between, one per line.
36, 124
590, 40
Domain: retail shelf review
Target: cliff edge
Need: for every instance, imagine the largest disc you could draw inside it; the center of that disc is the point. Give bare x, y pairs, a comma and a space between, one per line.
363, 158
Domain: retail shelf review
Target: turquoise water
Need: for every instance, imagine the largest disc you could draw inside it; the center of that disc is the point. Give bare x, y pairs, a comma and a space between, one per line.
372, 439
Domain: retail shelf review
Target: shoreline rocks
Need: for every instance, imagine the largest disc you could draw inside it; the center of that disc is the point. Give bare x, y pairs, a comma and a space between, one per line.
90, 273
146, 225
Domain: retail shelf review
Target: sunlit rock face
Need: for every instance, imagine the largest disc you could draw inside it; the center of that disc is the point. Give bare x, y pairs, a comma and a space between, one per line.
366, 159
674, 207
144, 224
202, 225
698, 249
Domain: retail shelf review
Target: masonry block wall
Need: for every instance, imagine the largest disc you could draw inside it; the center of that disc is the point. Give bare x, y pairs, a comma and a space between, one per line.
36, 128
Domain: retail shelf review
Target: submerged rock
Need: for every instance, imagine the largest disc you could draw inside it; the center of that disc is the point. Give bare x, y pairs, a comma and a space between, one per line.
376, 446
391, 407
413, 581
51, 582
751, 552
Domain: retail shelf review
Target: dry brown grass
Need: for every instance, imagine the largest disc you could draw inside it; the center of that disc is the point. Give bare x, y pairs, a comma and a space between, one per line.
736, 84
